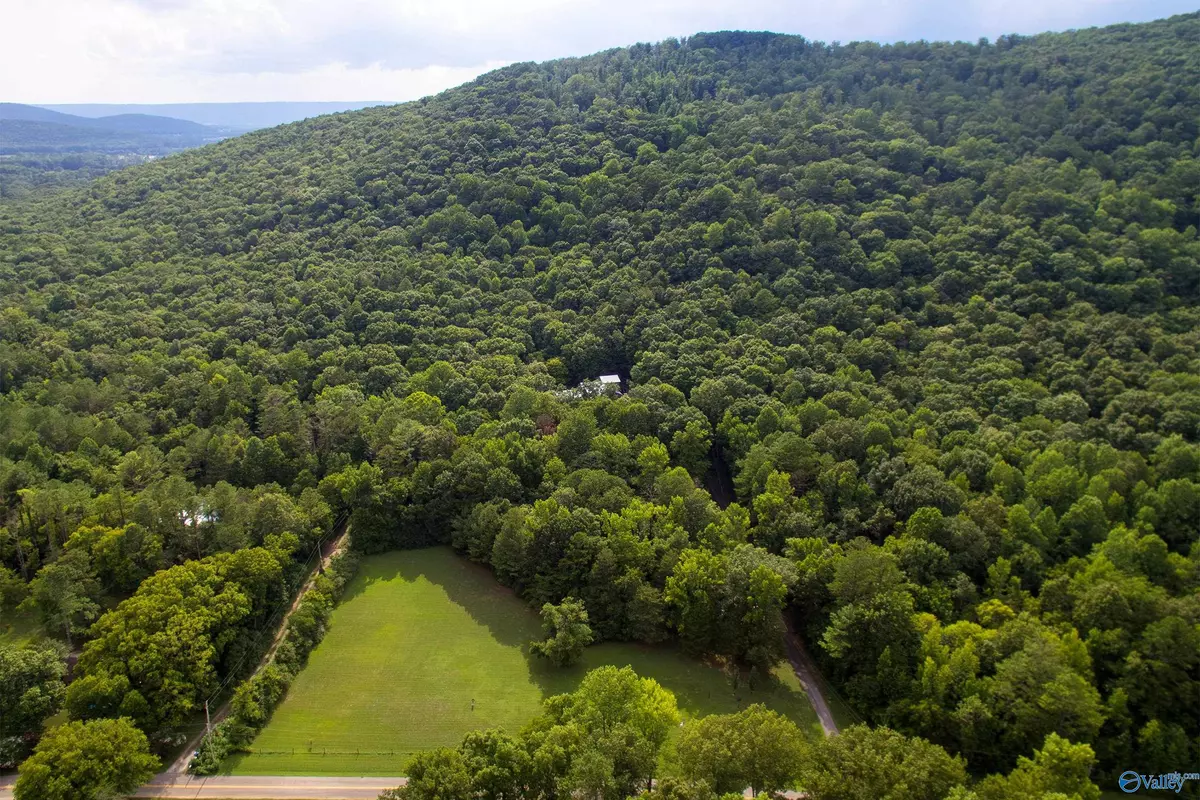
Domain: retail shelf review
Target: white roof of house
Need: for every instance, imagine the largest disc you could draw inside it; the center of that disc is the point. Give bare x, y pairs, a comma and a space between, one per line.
610, 378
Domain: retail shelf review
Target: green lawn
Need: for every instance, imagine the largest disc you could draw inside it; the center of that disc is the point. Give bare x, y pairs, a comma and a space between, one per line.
421, 634
20, 627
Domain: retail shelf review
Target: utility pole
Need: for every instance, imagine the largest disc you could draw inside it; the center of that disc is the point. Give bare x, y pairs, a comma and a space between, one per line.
207, 721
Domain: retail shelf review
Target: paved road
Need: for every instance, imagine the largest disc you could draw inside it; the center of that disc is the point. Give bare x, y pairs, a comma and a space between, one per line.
806, 671
272, 787
262, 788
231, 787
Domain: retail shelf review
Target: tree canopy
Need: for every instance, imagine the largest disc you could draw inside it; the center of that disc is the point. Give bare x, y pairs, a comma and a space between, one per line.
567, 632
87, 761
909, 344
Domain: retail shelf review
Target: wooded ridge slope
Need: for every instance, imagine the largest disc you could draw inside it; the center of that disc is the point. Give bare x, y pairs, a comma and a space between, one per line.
934, 305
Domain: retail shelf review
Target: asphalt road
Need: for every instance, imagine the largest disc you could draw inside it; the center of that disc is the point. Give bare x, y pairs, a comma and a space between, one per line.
261, 788
276, 788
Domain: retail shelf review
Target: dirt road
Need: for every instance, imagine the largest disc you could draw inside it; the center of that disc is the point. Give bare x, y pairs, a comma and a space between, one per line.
179, 766
806, 671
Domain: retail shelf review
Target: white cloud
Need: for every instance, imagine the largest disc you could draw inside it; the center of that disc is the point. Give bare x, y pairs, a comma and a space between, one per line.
209, 50
185, 51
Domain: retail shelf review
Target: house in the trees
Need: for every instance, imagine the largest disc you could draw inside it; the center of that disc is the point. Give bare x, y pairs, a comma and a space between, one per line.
605, 384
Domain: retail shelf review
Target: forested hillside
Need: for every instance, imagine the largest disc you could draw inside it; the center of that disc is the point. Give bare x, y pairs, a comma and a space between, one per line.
933, 306
22, 174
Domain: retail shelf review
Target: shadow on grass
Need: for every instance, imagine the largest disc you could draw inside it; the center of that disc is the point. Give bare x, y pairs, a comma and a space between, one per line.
469, 585
701, 687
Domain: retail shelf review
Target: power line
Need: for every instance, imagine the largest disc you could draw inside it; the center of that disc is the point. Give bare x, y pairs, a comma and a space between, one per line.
282, 608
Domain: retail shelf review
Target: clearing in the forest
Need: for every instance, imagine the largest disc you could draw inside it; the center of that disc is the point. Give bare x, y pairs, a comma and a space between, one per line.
426, 646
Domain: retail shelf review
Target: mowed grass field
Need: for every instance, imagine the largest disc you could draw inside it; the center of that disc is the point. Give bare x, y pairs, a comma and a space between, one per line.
19, 628
419, 635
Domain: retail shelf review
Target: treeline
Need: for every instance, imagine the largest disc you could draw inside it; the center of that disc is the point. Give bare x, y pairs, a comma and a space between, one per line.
78, 548
160, 654
609, 739
256, 698
23, 174
935, 306
194, 579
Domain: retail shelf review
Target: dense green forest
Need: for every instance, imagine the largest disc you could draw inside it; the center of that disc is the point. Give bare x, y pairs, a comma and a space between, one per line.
933, 307
23, 174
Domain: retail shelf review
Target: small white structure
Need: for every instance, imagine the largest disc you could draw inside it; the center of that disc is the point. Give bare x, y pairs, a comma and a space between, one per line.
194, 518
605, 384
610, 385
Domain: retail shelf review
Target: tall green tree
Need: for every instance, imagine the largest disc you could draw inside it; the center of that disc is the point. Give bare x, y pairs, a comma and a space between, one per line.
65, 594
34, 689
621, 723
567, 631
1058, 769
86, 761
879, 763
754, 748
435, 775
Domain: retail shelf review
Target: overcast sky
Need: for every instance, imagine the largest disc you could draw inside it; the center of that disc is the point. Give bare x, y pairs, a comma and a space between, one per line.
161, 51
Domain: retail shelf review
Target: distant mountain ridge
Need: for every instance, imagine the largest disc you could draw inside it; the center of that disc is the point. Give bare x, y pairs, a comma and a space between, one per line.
125, 123
238, 116
34, 131
36, 136
67, 144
